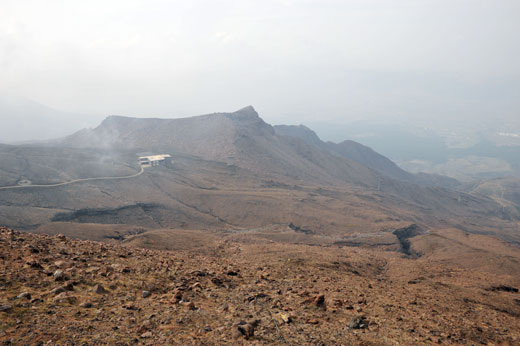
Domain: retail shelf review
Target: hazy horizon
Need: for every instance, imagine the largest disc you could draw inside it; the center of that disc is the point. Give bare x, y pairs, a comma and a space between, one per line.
294, 61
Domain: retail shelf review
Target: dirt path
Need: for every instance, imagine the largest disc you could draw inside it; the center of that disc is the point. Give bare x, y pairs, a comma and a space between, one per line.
74, 181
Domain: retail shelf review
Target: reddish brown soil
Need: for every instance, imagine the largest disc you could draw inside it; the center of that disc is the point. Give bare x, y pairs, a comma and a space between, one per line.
281, 293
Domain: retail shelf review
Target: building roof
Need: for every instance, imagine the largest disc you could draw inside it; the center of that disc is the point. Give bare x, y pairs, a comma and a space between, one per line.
155, 157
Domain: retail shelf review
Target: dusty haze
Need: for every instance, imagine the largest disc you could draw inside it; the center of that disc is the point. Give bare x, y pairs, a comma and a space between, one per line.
295, 61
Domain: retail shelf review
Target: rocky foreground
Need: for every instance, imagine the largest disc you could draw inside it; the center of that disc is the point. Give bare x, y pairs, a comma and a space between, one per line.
59, 291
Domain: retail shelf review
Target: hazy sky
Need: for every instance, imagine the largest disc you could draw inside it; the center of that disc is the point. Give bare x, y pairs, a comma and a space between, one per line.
295, 61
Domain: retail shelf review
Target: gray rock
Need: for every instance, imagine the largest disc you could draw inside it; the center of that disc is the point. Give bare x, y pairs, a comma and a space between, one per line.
99, 289
358, 322
146, 294
58, 290
5, 308
59, 275
24, 295
146, 335
246, 329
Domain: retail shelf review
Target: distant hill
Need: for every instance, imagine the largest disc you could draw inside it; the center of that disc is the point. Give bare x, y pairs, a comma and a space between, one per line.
231, 171
467, 151
506, 191
24, 120
362, 154
241, 137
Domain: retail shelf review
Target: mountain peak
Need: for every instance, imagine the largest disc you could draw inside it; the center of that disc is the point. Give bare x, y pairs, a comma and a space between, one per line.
247, 118
247, 110
246, 113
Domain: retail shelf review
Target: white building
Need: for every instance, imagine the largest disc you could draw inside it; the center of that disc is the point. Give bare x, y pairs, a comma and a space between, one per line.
155, 160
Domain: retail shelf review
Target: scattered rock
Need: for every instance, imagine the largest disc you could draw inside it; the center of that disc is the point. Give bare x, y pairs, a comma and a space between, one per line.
146, 326
69, 285
24, 295
59, 275
503, 288
177, 295
58, 290
60, 264
61, 237
190, 305
217, 281
32, 249
131, 307
258, 296
246, 329
92, 269
34, 264
65, 297
319, 301
358, 322
5, 308
285, 318
36, 301
99, 289
312, 321
286, 299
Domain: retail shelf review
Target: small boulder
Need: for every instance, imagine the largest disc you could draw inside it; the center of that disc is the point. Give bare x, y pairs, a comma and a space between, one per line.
504, 288
59, 275
58, 290
5, 308
69, 285
146, 326
177, 295
99, 289
61, 237
312, 321
319, 301
146, 335
65, 297
60, 264
195, 286
24, 295
92, 269
146, 294
33, 263
358, 322
190, 305
246, 329
285, 318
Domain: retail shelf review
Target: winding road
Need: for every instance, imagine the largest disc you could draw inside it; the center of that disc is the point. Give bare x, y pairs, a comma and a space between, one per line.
74, 181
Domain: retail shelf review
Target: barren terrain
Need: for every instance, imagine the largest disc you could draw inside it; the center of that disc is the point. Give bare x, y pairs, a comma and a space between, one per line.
253, 291
254, 235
